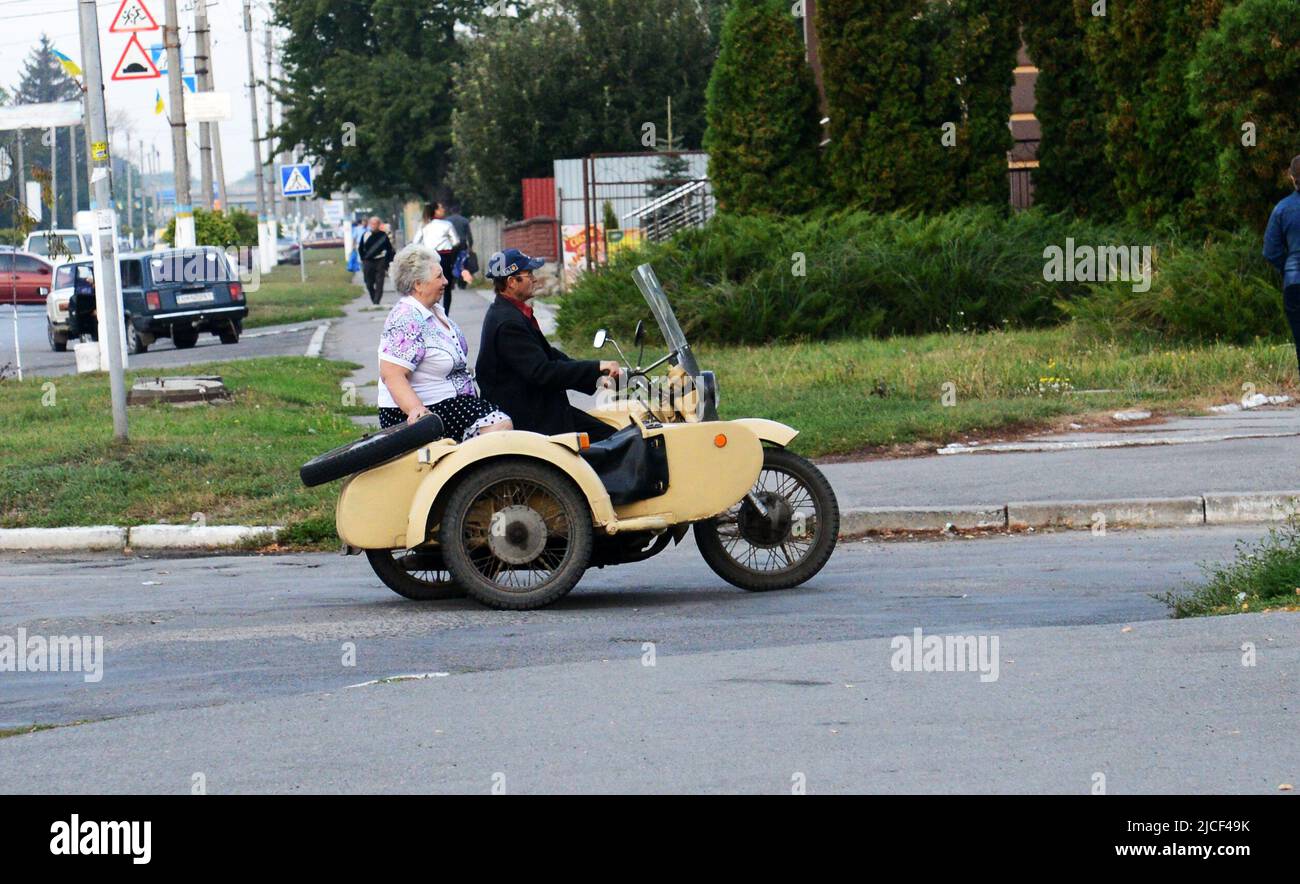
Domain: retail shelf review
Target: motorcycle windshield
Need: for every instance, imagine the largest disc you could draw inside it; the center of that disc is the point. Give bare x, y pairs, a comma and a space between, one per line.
654, 295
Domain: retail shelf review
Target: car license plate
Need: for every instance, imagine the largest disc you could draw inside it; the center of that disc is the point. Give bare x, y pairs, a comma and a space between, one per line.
195, 298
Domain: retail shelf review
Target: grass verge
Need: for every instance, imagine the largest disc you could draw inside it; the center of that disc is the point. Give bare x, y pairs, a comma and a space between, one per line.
1265, 575
236, 463
282, 297
859, 396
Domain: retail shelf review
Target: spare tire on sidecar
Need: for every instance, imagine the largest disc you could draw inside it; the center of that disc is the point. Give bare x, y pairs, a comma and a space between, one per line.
371, 450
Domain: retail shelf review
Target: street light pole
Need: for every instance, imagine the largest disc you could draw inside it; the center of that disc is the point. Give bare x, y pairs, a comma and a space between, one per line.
181, 162
107, 295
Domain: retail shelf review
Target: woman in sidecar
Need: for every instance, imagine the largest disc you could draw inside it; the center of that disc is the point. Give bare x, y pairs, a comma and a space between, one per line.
515, 518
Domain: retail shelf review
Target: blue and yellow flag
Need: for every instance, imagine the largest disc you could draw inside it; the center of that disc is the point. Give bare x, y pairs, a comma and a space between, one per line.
69, 65
157, 102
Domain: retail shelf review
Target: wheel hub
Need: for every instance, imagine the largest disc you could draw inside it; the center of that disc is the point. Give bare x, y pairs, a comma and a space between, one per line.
769, 530
517, 534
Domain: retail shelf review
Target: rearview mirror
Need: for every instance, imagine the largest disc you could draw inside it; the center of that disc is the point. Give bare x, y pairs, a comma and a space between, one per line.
598, 341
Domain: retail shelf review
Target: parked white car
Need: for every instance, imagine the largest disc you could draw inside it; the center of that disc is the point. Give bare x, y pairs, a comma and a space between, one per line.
67, 279
59, 246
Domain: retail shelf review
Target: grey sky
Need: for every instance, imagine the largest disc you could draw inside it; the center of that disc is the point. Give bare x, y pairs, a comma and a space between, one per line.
23, 21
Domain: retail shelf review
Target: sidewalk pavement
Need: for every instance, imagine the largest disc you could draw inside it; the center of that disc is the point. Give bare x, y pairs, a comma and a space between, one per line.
1180, 472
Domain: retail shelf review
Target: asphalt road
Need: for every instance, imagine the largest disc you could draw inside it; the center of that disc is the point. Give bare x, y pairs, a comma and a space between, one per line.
39, 360
234, 668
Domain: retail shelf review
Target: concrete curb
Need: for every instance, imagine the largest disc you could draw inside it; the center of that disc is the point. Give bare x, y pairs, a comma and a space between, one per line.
96, 538
89, 537
1219, 508
1250, 508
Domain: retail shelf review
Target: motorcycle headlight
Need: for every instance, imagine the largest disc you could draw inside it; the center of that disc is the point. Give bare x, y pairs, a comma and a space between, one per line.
707, 401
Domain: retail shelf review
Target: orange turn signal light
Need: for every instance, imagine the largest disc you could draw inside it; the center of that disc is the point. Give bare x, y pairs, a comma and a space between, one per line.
584, 441
720, 440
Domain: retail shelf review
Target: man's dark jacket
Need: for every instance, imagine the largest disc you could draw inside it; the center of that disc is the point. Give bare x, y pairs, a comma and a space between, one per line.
376, 246
524, 376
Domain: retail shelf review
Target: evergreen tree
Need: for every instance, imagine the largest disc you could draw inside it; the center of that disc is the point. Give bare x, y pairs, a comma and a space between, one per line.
1072, 172
1157, 152
919, 97
762, 113
44, 80
1244, 80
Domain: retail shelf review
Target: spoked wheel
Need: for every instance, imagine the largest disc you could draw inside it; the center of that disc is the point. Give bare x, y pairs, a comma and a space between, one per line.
420, 576
789, 544
516, 534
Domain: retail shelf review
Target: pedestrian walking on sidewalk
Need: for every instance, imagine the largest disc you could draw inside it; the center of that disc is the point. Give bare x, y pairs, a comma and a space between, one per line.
465, 259
376, 254
439, 235
1282, 249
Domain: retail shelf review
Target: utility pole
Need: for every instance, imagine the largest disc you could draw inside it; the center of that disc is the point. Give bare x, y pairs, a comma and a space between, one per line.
219, 166
54, 177
201, 78
276, 204
130, 195
107, 293
180, 158
264, 238
72, 171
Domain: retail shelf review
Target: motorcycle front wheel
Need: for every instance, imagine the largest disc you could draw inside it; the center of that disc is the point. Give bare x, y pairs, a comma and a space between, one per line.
788, 545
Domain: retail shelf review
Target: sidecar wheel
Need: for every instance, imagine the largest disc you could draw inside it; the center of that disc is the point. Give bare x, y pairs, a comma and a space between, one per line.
516, 534
413, 575
758, 553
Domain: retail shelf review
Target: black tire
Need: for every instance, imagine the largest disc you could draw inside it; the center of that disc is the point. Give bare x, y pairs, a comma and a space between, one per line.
419, 576
370, 450
184, 338
557, 537
230, 334
59, 344
135, 344
790, 484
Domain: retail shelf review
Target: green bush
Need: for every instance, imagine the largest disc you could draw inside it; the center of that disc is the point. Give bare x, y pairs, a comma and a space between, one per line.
734, 281
1247, 70
245, 227
1216, 290
762, 113
11, 236
210, 229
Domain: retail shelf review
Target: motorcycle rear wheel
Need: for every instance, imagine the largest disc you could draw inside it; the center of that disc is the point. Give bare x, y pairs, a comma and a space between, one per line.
412, 575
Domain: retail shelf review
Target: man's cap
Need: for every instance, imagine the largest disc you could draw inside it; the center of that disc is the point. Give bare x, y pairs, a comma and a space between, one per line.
509, 262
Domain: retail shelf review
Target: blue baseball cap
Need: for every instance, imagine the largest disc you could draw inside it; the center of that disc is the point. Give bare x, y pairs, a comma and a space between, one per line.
509, 262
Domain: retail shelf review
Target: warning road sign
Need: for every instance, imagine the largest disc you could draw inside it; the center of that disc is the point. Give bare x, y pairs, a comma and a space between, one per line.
135, 63
295, 180
131, 16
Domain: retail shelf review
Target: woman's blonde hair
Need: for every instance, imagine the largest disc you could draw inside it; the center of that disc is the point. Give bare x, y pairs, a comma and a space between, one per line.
411, 266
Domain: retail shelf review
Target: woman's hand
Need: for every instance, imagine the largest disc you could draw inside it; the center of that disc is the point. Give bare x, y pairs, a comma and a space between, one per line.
467, 277
416, 413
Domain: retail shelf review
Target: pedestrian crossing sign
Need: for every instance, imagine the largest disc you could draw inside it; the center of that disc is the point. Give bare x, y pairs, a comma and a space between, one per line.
295, 180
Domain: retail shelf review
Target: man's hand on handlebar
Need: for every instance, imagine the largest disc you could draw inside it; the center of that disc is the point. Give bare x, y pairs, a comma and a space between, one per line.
611, 368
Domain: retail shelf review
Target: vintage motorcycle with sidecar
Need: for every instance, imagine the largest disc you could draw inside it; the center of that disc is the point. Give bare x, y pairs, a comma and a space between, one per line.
515, 518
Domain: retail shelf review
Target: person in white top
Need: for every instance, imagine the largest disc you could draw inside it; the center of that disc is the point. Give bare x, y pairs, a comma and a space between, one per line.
424, 359
439, 235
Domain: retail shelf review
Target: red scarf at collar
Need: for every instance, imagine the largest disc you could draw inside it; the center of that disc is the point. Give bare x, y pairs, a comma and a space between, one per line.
524, 308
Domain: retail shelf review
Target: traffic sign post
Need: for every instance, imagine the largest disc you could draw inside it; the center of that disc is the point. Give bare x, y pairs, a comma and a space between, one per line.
296, 182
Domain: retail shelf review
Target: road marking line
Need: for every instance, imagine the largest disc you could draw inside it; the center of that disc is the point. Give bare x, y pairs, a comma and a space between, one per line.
420, 676
1103, 443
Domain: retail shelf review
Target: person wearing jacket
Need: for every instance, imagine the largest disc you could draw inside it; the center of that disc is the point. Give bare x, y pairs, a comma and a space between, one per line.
376, 253
517, 367
1282, 249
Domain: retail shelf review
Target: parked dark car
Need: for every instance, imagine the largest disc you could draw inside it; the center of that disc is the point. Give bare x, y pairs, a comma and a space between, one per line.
24, 277
174, 293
